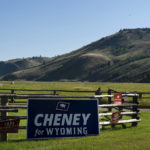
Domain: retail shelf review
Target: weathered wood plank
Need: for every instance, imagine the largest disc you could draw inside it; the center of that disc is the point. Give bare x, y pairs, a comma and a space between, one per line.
145, 97
99, 106
45, 96
58, 96
16, 117
46, 90
122, 113
120, 122
22, 127
13, 106
8, 110
104, 123
19, 102
130, 95
116, 105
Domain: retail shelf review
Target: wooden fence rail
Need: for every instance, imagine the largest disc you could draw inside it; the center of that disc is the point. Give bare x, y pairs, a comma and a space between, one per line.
128, 109
98, 91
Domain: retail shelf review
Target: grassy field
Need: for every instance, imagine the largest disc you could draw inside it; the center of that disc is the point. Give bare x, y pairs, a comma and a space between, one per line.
145, 87
81, 86
131, 138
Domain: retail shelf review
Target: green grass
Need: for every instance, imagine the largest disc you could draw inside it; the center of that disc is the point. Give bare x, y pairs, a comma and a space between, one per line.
76, 85
127, 87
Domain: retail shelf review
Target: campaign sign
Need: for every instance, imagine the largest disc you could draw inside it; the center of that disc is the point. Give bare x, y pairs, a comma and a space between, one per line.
9, 125
115, 117
117, 98
48, 118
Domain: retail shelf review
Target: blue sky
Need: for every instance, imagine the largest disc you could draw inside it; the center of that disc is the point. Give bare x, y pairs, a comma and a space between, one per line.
54, 27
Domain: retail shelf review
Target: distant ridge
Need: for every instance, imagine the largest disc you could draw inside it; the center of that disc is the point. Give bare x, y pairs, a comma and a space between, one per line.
121, 57
13, 65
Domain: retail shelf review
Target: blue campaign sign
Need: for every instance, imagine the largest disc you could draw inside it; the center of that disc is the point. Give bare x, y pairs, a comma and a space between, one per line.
49, 118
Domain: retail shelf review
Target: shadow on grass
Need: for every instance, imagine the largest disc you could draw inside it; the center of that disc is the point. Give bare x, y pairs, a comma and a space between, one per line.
117, 127
105, 129
26, 140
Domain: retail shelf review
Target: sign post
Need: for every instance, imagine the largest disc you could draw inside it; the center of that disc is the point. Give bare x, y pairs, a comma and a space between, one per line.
48, 118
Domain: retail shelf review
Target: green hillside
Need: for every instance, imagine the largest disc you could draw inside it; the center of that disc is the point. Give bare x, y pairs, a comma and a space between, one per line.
121, 57
14, 65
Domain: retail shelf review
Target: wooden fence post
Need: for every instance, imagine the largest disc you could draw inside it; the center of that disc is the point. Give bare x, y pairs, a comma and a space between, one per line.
109, 99
54, 92
12, 98
135, 109
140, 95
4, 101
98, 92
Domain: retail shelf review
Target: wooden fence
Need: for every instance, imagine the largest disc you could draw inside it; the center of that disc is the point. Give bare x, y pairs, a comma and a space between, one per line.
128, 108
141, 95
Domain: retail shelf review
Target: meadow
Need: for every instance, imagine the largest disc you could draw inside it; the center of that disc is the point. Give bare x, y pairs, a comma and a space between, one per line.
77, 86
131, 138
145, 87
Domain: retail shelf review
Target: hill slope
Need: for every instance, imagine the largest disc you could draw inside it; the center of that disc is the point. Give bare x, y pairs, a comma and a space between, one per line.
121, 57
14, 65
